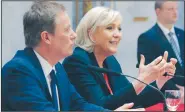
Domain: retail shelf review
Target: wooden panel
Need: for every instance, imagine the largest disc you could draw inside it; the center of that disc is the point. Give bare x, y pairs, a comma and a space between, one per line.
140, 19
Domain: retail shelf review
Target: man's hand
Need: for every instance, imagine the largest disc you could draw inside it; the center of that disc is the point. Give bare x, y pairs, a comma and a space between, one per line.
126, 107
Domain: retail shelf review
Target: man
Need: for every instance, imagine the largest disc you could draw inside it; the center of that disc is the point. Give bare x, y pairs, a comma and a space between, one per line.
34, 80
163, 36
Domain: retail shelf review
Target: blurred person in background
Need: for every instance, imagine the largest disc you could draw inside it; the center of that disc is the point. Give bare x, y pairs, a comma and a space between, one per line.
164, 36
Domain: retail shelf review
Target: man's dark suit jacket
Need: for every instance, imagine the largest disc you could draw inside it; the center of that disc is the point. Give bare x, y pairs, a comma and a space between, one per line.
91, 84
153, 43
24, 86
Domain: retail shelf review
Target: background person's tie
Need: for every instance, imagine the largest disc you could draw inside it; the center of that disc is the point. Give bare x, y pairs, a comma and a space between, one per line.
53, 89
175, 49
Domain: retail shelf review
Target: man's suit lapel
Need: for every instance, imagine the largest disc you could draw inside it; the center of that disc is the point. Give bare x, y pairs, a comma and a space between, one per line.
63, 87
179, 35
40, 74
181, 42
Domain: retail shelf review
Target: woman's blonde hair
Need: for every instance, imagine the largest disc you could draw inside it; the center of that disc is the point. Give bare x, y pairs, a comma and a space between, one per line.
98, 16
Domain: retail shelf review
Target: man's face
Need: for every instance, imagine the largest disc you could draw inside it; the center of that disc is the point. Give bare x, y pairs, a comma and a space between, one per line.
168, 13
62, 40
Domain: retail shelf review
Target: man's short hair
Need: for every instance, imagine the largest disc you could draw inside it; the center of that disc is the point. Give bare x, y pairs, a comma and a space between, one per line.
40, 17
159, 3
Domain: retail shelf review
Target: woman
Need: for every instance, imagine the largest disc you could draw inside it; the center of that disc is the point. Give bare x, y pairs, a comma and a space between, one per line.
98, 36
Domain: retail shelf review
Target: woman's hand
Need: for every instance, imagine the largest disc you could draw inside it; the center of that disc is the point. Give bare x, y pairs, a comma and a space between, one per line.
149, 73
155, 71
169, 69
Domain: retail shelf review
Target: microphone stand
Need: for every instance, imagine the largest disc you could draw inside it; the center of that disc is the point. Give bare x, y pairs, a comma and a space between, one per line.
164, 99
103, 70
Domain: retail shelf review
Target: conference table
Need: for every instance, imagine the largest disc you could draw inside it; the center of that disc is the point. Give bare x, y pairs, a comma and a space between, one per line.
159, 107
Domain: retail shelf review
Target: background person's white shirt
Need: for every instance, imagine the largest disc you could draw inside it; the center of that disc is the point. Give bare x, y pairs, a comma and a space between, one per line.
166, 32
47, 68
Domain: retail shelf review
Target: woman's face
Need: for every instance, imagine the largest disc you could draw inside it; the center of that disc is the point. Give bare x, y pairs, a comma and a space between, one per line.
107, 38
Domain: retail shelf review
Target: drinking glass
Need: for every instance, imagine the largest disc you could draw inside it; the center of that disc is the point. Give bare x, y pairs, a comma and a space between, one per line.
173, 98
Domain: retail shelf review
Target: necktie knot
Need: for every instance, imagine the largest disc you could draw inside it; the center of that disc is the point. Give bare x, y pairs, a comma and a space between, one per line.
52, 75
170, 34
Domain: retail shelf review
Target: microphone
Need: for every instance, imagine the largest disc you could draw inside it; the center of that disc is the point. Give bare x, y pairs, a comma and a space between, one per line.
104, 70
174, 76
